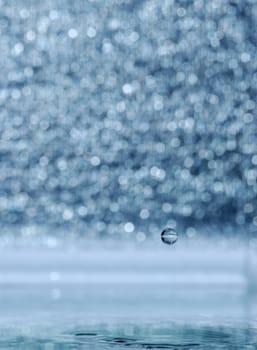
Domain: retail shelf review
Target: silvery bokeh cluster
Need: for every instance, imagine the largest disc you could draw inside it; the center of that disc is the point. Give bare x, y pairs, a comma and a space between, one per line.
119, 117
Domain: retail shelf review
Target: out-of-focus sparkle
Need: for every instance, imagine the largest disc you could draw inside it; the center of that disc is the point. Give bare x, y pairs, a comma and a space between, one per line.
111, 124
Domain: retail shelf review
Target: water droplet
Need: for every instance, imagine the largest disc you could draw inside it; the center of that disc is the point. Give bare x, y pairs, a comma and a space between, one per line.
169, 236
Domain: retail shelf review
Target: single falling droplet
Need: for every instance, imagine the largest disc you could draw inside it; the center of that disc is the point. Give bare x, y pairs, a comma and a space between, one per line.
169, 236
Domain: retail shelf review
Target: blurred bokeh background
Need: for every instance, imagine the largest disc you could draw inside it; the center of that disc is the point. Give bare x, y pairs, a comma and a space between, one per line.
119, 117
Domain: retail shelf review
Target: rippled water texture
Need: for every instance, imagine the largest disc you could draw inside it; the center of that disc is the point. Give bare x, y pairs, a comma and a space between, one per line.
136, 336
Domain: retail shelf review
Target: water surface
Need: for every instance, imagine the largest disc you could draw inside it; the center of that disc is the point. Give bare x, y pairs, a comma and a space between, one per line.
193, 296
